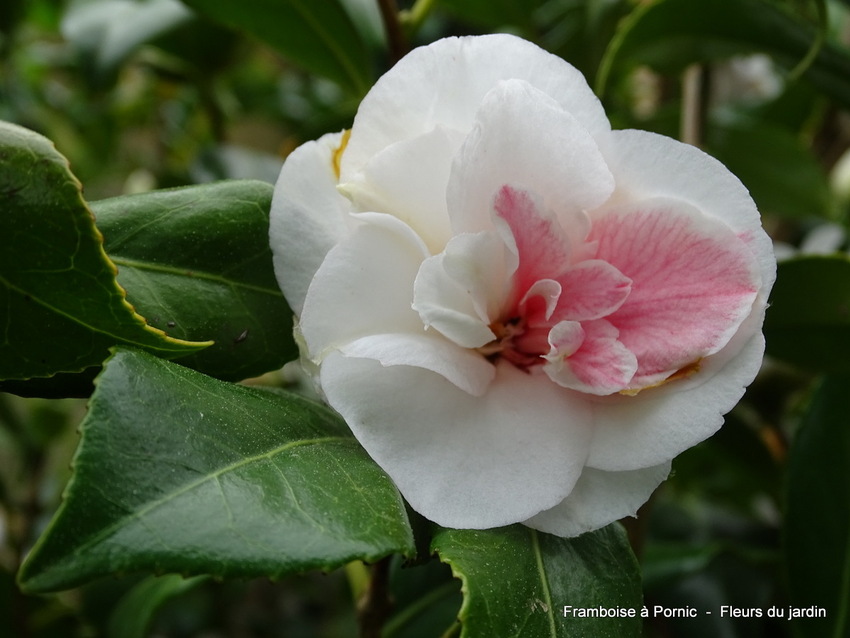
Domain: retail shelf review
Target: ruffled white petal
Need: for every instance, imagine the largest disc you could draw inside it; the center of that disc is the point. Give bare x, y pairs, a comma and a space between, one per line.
308, 216
364, 286
600, 498
444, 305
443, 84
408, 180
524, 139
459, 460
465, 368
459, 292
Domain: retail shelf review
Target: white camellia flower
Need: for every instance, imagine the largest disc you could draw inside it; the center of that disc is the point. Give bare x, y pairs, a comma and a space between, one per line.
522, 315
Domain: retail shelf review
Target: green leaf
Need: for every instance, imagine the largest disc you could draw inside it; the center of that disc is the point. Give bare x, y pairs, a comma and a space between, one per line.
320, 36
133, 615
425, 598
517, 581
179, 472
817, 522
791, 184
62, 308
671, 34
808, 320
196, 262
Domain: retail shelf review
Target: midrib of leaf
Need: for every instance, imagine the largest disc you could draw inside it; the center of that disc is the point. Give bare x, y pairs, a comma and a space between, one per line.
544, 581
138, 514
196, 274
122, 338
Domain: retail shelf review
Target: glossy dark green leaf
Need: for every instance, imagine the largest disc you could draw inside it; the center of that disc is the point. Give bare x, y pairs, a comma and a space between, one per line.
62, 308
137, 609
808, 321
671, 34
426, 599
517, 581
179, 472
817, 524
792, 183
320, 36
196, 262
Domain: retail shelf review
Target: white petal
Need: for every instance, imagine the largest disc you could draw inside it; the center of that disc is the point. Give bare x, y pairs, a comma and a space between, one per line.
308, 216
465, 368
480, 264
600, 498
647, 165
364, 286
442, 84
660, 423
464, 461
459, 292
524, 139
444, 305
408, 179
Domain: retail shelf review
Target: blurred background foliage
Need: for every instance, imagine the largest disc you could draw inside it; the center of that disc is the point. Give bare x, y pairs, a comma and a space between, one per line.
149, 94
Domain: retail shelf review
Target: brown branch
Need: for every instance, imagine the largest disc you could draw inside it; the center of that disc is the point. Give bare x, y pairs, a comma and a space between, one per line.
374, 607
392, 25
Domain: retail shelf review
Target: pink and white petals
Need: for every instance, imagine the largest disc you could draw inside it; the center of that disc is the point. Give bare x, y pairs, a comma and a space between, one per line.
661, 423
522, 315
647, 166
693, 283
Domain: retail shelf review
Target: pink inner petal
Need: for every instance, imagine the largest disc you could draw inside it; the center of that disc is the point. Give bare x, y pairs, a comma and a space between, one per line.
592, 289
564, 339
540, 301
694, 282
601, 365
542, 248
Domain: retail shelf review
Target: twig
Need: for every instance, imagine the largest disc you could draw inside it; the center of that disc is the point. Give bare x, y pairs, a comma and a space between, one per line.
691, 123
374, 607
392, 25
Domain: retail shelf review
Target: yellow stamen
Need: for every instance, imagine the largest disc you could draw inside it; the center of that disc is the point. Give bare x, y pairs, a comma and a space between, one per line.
681, 373
337, 156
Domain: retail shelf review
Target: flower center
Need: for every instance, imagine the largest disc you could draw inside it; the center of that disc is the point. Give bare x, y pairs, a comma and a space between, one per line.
517, 342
